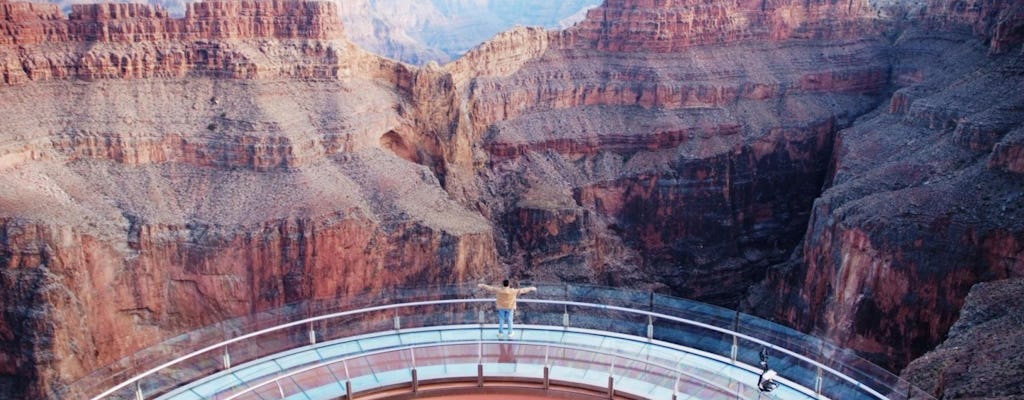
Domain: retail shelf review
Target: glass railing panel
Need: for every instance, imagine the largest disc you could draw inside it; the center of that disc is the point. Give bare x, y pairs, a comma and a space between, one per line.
705, 340
531, 314
644, 376
353, 325
609, 296
264, 392
791, 368
695, 337
609, 321
267, 344
189, 370
700, 312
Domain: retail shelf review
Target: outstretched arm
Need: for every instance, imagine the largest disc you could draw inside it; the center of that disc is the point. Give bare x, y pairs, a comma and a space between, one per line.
528, 289
488, 288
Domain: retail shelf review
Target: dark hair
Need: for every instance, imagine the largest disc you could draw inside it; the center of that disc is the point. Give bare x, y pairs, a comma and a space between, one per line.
504, 283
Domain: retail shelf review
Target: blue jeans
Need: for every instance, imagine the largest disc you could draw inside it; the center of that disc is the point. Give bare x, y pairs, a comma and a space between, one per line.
505, 317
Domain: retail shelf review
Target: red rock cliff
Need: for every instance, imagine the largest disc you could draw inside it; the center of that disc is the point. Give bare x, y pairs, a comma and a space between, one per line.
924, 201
302, 39
162, 174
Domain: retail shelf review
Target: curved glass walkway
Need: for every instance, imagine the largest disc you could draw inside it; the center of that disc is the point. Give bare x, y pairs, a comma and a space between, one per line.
571, 342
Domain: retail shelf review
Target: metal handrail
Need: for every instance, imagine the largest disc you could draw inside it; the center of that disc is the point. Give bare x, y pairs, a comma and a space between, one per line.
418, 346
650, 314
277, 328
714, 328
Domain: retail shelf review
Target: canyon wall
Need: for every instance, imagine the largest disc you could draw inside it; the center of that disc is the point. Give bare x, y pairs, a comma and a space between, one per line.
639, 150
160, 174
981, 356
924, 198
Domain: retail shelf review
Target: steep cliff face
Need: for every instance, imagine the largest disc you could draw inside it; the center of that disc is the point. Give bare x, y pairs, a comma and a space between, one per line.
662, 154
161, 174
247, 39
981, 357
924, 200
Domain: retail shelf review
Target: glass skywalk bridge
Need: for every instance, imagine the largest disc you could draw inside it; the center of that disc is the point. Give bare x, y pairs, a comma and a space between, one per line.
572, 342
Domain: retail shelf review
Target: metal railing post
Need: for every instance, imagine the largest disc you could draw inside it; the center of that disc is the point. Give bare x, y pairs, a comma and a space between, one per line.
348, 380
226, 358
818, 383
611, 380
138, 391
312, 334
650, 327
565, 317
415, 376
735, 349
547, 367
398, 322
675, 387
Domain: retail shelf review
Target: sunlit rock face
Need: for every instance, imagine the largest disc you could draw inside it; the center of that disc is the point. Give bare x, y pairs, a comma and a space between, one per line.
162, 173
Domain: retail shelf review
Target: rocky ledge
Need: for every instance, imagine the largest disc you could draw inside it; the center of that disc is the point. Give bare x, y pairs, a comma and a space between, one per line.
981, 356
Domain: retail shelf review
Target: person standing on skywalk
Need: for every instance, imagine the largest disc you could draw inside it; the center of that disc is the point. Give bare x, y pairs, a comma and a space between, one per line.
506, 304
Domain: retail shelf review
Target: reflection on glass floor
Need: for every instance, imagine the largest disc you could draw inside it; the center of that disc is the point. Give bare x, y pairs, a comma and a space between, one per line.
638, 367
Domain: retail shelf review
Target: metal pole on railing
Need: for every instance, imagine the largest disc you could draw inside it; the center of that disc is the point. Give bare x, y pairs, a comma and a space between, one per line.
547, 367
348, 380
675, 387
415, 377
312, 334
735, 349
650, 327
611, 380
227, 358
138, 391
818, 383
480, 363
735, 340
398, 322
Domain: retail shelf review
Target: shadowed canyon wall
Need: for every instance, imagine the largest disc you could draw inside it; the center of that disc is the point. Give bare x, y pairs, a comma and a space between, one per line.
858, 163
923, 200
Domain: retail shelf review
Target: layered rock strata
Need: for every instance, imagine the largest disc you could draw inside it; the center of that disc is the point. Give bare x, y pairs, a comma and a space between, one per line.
688, 154
924, 199
164, 173
161, 174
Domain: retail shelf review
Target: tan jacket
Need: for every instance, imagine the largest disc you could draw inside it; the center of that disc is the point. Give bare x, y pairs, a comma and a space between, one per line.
506, 296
